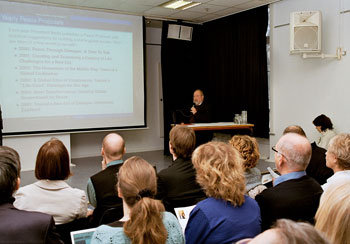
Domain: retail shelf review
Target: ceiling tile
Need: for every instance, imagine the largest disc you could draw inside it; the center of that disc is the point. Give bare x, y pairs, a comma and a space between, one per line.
147, 2
131, 7
104, 4
160, 11
186, 15
228, 11
250, 4
206, 18
207, 8
227, 3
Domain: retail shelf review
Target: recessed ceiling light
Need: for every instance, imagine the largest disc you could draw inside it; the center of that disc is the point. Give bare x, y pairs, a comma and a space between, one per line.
190, 5
179, 4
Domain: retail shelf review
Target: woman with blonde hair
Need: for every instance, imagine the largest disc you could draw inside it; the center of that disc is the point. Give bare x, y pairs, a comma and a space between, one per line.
249, 149
332, 216
227, 215
145, 220
338, 159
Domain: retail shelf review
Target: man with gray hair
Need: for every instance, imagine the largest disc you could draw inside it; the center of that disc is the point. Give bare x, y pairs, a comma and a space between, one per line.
317, 168
294, 195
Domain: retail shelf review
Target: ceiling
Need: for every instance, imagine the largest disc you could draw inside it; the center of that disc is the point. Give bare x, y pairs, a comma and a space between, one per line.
207, 11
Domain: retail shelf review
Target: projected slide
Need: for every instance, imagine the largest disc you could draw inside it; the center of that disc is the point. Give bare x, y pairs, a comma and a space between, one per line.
66, 69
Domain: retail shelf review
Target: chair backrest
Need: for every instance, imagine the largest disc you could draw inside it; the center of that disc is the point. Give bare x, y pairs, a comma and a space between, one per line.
65, 229
110, 215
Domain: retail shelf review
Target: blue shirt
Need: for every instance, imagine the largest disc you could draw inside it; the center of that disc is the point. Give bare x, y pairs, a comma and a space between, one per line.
289, 176
108, 234
215, 221
90, 190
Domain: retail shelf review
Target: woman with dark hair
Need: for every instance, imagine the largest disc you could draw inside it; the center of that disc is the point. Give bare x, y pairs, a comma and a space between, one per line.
145, 220
51, 194
325, 127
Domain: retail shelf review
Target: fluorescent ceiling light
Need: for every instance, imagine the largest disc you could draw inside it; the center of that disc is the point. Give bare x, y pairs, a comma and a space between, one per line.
179, 4
190, 5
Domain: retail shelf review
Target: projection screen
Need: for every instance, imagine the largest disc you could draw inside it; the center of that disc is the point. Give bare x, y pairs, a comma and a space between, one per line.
64, 69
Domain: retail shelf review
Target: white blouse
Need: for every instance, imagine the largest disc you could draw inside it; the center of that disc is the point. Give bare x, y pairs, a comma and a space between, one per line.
55, 197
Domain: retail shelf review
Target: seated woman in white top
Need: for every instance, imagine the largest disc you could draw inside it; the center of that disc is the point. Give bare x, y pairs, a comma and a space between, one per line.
338, 159
145, 220
325, 127
51, 194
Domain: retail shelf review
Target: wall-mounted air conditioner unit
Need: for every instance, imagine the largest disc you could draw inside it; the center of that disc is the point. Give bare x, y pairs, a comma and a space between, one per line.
305, 32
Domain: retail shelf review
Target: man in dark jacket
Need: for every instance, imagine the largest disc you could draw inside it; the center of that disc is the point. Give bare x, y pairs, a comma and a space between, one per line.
294, 195
177, 186
101, 187
317, 168
19, 226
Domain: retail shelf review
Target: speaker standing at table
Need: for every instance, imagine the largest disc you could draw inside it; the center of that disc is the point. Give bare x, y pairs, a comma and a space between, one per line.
201, 113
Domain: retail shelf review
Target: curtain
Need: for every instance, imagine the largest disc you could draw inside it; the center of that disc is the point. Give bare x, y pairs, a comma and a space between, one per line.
227, 60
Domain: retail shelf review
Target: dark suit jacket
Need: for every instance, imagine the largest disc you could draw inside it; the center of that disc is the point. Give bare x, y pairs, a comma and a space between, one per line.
19, 226
104, 184
203, 115
317, 168
177, 186
295, 199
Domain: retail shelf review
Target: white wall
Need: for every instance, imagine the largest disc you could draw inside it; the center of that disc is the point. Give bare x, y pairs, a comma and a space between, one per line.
89, 144
302, 89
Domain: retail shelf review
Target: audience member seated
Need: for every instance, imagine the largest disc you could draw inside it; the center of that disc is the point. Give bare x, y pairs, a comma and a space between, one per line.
324, 125
249, 150
289, 232
294, 195
227, 215
177, 186
19, 226
332, 217
145, 220
101, 186
317, 168
51, 194
338, 159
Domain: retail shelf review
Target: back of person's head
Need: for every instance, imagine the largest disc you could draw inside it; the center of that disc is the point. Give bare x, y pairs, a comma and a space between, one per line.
339, 145
52, 161
294, 129
138, 185
323, 121
248, 148
296, 150
183, 141
332, 216
289, 232
113, 146
219, 168
10, 168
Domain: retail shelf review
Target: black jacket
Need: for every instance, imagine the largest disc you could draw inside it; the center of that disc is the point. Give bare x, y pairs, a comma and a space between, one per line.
177, 186
317, 168
295, 199
19, 226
